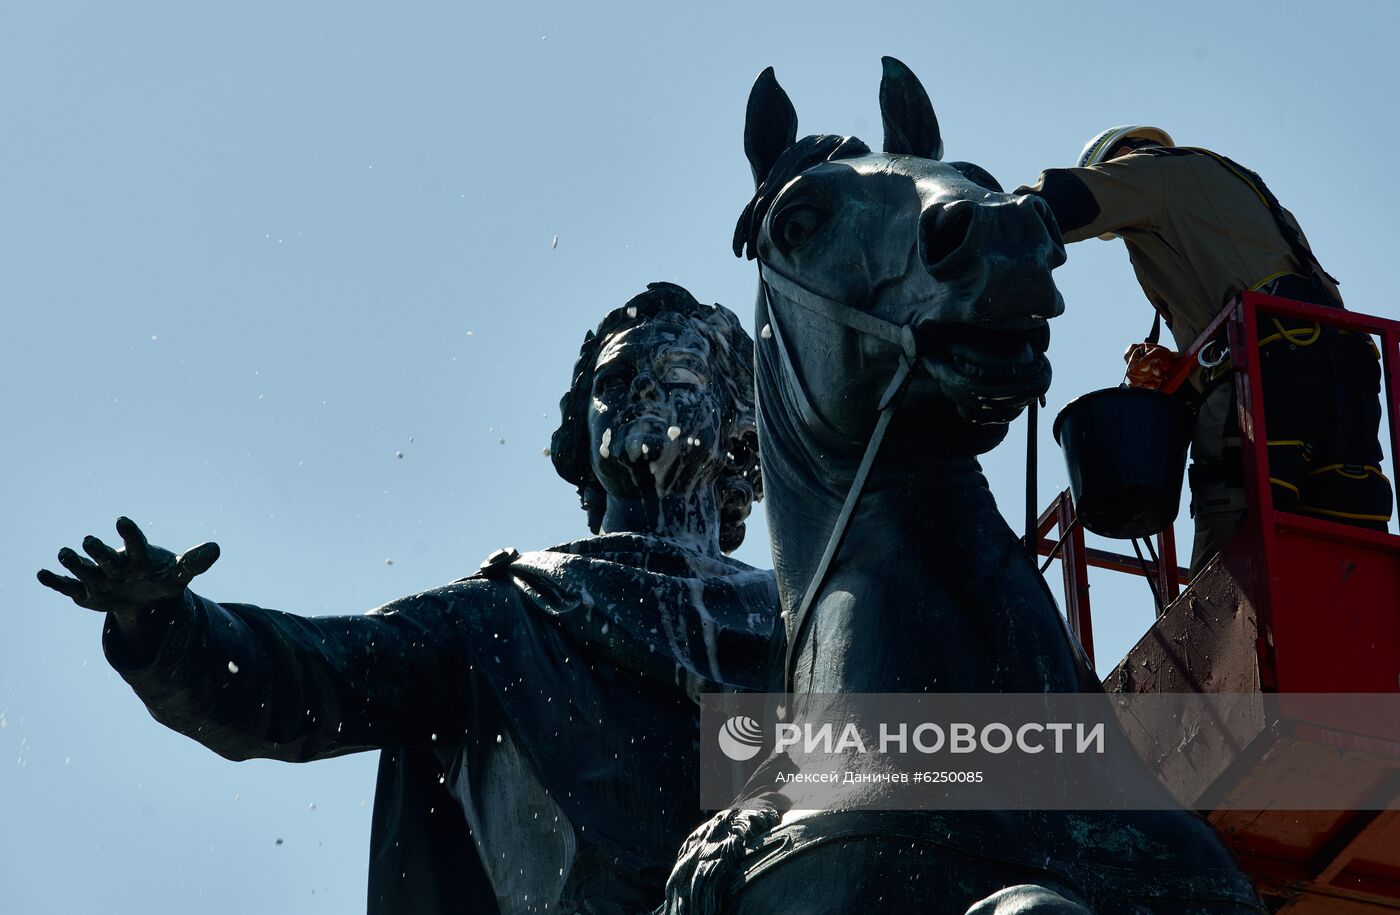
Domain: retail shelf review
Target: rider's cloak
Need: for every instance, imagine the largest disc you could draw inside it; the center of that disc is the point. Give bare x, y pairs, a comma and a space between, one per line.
538, 718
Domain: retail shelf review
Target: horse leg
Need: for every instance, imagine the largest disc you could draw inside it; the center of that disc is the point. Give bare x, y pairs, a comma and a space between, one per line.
1031, 899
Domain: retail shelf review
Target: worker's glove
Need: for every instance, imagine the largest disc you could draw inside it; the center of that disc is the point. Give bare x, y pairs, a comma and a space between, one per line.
1149, 364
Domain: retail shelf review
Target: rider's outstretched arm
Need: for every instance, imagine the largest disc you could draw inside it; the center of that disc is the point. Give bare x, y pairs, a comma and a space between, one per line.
249, 682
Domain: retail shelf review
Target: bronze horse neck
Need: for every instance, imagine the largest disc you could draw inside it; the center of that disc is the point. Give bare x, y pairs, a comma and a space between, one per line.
897, 574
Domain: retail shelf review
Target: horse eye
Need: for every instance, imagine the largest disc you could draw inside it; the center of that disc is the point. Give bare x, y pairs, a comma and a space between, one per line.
795, 226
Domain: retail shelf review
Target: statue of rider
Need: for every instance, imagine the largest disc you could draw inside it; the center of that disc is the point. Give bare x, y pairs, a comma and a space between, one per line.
538, 718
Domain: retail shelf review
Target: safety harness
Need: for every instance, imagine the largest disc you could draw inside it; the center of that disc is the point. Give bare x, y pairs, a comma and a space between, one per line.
1303, 254
1309, 283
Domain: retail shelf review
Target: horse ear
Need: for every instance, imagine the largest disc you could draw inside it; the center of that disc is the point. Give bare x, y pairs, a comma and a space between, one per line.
911, 128
770, 125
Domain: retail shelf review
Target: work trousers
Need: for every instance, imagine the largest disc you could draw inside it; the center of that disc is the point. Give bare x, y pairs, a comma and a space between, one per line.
1322, 416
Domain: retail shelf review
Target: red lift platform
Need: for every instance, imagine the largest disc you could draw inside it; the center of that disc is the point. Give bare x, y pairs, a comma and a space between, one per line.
1294, 605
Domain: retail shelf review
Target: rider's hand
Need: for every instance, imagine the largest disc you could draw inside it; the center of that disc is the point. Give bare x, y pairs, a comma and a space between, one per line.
126, 582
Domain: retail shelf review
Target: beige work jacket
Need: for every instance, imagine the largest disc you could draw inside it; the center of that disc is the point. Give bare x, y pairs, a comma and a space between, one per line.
1198, 233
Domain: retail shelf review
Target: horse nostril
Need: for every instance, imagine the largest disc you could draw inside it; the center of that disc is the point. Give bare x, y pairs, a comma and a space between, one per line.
942, 231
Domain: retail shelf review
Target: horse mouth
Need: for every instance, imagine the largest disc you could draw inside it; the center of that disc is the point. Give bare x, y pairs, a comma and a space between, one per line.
990, 374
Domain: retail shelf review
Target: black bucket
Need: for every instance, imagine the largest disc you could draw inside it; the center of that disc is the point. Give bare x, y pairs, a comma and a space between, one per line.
1126, 453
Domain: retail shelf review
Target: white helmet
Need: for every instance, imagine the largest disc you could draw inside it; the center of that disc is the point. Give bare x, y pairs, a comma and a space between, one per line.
1100, 146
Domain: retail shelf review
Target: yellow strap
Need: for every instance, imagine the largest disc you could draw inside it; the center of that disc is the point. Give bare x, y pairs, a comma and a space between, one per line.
1234, 171
1298, 336
1341, 469
1285, 484
1348, 515
1269, 279
1288, 441
1317, 328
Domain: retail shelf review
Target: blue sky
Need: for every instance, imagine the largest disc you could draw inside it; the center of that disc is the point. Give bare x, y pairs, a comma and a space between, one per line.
251, 252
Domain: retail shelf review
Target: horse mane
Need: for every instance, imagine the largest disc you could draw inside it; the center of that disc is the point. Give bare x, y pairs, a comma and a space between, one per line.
796, 159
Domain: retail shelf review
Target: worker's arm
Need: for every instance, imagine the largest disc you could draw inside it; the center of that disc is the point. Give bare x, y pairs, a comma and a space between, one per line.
1122, 193
248, 682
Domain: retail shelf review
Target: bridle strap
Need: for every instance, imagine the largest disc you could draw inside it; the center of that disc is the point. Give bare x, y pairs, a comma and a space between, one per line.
862, 322
836, 312
843, 520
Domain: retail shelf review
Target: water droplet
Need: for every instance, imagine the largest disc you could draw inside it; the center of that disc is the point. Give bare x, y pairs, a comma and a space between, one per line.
555, 243
499, 738
232, 667
388, 562
311, 807
767, 332
673, 433
631, 311
399, 455
603, 446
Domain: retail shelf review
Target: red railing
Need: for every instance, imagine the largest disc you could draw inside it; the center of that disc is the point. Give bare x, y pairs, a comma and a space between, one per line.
1240, 322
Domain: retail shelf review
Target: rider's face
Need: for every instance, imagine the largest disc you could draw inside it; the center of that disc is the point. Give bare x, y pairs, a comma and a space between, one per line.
655, 412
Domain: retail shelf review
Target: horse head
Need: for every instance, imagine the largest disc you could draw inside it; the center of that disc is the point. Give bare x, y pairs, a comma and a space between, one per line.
850, 242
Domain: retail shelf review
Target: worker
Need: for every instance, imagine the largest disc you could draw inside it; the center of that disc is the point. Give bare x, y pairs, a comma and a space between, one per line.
1200, 229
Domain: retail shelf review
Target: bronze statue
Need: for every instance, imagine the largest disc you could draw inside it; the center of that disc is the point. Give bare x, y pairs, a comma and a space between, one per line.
903, 309
538, 717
